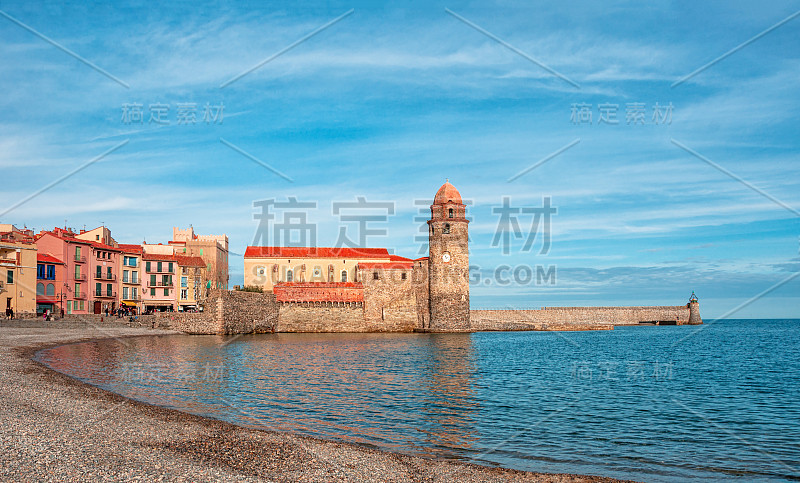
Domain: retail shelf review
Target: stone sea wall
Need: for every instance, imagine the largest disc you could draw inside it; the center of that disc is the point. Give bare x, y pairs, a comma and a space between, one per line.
234, 312
579, 318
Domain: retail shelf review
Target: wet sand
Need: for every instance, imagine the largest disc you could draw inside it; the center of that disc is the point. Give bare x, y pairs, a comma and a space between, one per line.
55, 428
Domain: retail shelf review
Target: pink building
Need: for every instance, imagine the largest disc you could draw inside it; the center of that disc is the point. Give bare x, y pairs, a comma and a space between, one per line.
159, 283
50, 284
63, 245
103, 281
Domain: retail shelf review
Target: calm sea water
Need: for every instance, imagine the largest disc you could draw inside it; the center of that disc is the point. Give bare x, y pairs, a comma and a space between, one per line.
647, 403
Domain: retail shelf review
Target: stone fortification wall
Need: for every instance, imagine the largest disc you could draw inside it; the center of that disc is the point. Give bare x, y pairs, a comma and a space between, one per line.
419, 275
321, 317
390, 303
563, 318
245, 312
226, 312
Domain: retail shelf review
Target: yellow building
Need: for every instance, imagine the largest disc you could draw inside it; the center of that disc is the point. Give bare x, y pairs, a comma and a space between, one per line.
18, 277
266, 266
192, 278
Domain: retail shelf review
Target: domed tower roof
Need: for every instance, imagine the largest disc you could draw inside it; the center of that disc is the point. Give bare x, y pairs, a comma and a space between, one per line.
447, 194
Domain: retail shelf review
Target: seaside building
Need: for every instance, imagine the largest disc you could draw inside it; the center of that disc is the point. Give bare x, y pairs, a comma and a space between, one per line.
63, 245
17, 271
213, 249
159, 277
369, 289
266, 266
130, 276
50, 285
191, 291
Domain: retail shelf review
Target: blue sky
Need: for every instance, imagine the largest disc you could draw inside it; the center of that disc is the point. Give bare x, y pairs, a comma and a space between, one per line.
389, 101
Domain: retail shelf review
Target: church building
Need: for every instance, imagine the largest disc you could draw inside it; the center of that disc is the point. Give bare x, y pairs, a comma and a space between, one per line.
367, 289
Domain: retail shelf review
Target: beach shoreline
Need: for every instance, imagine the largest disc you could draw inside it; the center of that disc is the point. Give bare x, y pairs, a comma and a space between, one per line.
59, 428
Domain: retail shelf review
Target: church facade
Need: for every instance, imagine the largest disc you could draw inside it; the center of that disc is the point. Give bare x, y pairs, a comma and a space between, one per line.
367, 289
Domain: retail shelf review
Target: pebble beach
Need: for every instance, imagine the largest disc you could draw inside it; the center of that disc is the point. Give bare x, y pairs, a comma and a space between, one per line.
55, 428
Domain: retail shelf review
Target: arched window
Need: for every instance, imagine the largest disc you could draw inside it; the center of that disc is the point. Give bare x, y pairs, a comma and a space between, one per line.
446, 228
51, 289
40, 289
289, 275
344, 275
450, 213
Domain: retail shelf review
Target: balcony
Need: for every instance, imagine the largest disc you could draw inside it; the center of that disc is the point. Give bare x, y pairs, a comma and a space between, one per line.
79, 295
134, 298
79, 259
105, 276
105, 295
81, 277
160, 283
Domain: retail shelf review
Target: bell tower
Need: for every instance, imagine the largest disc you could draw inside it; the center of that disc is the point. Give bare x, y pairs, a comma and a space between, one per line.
448, 262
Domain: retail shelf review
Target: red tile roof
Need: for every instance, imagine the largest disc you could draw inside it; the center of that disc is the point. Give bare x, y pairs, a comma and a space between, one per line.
47, 258
159, 257
103, 246
190, 261
130, 248
447, 194
315, 252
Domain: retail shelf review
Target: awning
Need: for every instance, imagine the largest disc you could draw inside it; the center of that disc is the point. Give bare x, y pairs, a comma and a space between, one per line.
128, 304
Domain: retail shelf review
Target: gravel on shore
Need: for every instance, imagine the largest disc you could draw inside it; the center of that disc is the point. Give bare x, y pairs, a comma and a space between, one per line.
55, 428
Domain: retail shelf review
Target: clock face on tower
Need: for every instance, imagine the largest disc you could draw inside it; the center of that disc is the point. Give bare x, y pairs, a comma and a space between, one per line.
445, 257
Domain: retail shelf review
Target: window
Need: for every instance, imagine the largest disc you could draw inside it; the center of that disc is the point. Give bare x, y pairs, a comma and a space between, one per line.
344, 275
125, 276
166, 280
97, 237
124, 293
77, 289
152, 292
450, 214
108, 272
201, 252
10, 276
69, 306
289, 275
99, 272
147, 266
134, 293
134, 277
51, 272
166, 292
40, 270
40, 288
77, 271
159, 266
403, 276
81, 304
109, 290
152, 280
133, 261
170, 267
98, 289
77, 252
446, 228
375, 276
184, 282
51, 290
184, 294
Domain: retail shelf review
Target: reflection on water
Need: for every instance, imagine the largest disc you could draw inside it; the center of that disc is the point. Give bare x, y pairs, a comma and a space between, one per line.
627, 403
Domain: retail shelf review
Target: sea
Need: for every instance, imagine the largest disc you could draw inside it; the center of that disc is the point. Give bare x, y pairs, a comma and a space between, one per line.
718, 401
